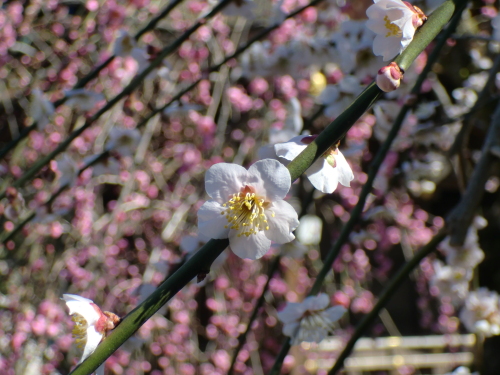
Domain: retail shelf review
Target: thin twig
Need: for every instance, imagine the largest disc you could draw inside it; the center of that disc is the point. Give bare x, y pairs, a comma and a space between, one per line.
89, 77
459, 143
385, 296
201, 261
462, 215
125, 92
367, 187
236, 53
32, 215
258, 305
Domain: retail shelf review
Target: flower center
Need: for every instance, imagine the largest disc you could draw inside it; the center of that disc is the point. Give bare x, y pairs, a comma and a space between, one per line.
245, 212
393, 30
330, 154
79, 332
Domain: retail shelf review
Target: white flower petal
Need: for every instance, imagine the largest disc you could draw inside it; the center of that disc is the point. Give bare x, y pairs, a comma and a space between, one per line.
93, 340
323, 176
334, 313
293, 311
284, 222
345, 174
289, 150
82, 306
211, 221
272, 179
319, 302
224, 179
290, 329
252, 247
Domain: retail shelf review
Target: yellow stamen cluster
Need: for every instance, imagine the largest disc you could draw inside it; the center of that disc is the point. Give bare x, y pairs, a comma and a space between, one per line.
246, 213
79, 332
394, 30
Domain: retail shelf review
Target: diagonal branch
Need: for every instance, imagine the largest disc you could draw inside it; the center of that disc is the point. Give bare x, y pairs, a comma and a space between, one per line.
28, 175
89, 77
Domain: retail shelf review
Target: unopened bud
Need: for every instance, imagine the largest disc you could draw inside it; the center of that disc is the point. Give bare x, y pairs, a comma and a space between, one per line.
419, 17
389, 77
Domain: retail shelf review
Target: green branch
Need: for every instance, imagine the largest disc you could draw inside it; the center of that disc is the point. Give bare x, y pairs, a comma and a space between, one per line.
201, 261
374, 167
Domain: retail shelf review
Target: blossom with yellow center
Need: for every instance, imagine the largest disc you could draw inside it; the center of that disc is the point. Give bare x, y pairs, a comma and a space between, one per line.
325, 173
394, 22
247, 207
91, 323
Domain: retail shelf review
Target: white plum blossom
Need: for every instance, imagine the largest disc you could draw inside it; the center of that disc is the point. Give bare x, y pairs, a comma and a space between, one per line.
292, 127
452, 282
469, 255
91, 323
480, 313
336, 98
394, 22
124, 44
41, 109
123, 141
82, 99
310, 320
325, 173
247, 207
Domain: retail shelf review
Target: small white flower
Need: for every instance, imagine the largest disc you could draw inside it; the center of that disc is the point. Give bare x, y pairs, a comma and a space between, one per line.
480, 313
123, 141
394, 22
452, 282
82, 99
124, 44
247, 207
310, 320
41, 109
91, 324
68, 170
336, 98
467, 256
325, 173
292, 127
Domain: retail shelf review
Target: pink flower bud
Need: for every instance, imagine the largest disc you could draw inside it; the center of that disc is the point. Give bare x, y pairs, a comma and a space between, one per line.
389, 77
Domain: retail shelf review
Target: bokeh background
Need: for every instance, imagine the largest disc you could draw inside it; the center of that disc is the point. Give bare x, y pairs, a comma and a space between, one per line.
128, 221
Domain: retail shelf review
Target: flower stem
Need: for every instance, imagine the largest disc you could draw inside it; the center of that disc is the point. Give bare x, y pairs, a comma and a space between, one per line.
199, 263
339, 127
202, 260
